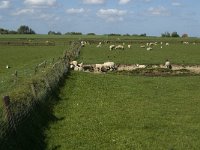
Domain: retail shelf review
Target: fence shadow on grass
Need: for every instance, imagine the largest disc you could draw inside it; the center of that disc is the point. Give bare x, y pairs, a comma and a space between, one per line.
28, 113
30, 134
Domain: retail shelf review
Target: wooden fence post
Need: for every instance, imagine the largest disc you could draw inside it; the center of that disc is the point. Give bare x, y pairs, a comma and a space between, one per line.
15, 76
36, 69
45, 63
9, 116
33, 90
47, 84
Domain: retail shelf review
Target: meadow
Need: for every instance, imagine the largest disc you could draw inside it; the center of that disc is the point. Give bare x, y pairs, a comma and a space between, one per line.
104, 111
177, 53
112, 111
24, 59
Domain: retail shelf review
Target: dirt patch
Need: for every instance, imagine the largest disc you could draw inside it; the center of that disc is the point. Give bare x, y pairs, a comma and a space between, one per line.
154, 70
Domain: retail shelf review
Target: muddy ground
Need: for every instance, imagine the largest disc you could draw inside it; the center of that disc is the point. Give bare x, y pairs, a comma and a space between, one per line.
150, 70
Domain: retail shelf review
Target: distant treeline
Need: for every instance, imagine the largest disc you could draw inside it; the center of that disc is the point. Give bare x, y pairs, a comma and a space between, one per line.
21, 30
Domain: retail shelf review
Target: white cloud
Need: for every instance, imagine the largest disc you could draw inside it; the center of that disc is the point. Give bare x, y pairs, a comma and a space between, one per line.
40, 2
124, 1
23, 12
48, 17
159, 11
93, 1
36, 14
147, 1
176, 4
4, 4
111, 15
76, 11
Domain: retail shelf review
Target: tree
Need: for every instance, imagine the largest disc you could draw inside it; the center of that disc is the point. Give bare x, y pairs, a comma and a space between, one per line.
51, 32
54, 33
166, 34
25, 30
185, 35
144, 34
174, 34
73, 33
3, 31
126, 34
91, 34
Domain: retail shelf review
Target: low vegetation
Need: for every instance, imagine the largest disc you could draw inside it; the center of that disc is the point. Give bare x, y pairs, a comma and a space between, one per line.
177, 53
122, 110
103, 111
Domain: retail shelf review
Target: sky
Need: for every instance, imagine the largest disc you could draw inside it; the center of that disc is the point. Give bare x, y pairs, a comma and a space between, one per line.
152, 17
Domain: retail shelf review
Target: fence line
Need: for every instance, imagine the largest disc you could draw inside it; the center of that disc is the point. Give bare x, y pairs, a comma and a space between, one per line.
18, 106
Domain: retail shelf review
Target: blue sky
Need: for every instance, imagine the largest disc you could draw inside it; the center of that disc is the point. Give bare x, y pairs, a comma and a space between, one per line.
152, 17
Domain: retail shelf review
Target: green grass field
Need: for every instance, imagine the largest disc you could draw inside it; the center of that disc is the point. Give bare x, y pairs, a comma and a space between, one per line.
129, 112
177, 53
103, 111
24, 59
110, 111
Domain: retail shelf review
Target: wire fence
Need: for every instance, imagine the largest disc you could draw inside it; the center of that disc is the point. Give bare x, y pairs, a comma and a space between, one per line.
24, 98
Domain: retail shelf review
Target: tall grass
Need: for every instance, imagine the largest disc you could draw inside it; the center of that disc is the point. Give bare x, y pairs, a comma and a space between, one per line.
102, 111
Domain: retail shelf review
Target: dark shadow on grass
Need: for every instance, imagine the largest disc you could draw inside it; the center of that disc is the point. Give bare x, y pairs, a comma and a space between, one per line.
56, 147
30, 134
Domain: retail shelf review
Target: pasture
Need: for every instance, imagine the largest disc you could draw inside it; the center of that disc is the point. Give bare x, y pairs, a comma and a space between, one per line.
110, 111
104, 111
24, 58
177, 53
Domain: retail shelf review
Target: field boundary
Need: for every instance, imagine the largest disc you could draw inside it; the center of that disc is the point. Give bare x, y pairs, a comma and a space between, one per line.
23, 100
